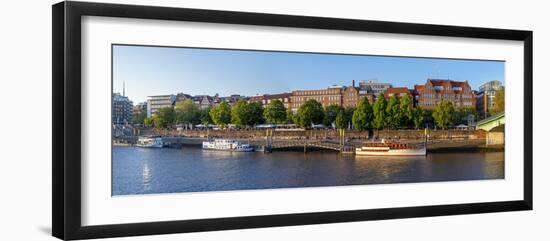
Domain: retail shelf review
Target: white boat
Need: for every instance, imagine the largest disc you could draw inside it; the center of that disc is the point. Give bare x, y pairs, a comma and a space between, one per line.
390, 149
154, 142
226, 145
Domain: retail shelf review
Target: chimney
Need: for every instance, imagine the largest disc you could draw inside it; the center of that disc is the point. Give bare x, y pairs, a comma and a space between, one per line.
352, 83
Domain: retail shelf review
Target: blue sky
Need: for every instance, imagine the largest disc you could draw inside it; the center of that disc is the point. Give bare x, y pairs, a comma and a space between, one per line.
164, 70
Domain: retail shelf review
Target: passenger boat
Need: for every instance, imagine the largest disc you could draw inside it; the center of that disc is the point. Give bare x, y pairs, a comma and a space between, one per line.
147, 141
226, 145
390, 149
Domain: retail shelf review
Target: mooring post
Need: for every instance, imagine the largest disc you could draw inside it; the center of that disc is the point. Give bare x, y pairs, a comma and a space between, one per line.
270, 139
340, 139
343, 137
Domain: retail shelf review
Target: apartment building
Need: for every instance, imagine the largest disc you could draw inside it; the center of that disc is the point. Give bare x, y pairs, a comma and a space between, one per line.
436, 90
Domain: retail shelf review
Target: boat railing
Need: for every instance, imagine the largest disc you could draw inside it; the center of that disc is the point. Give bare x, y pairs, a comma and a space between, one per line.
393, 145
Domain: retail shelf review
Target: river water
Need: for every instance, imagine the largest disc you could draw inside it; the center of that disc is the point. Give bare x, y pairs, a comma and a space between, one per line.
191, 169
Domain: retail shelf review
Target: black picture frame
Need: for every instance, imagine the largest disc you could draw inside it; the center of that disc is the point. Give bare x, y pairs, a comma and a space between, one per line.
66, 127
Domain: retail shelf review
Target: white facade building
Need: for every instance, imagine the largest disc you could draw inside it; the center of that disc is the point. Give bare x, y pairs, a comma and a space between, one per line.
156, 102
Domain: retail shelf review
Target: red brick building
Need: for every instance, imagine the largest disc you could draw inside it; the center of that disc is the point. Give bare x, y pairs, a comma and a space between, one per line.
350, 96
416, 93
458, 92
266, 99
345, 96
330, 96
399, 91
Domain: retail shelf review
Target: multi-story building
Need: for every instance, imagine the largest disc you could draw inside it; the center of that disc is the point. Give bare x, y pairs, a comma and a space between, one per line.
140, 108
182, 97
156, 102
485, 99
399, 91
345, 96
231, 100
329, 96
416, 93
372, 87
122, 109
436, 90
351, 95
204, 101
266, 99
493, 85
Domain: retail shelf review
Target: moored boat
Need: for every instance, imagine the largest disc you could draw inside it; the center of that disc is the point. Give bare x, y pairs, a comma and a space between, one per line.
390, 149
226, 145
150, 141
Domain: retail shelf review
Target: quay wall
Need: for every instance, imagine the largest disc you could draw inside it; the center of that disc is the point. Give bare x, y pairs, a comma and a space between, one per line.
325, 134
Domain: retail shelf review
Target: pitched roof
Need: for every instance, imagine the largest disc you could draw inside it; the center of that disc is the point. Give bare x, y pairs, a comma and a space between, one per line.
256, 98
269, 97
440, 82
202, 97
277, 96
397, 90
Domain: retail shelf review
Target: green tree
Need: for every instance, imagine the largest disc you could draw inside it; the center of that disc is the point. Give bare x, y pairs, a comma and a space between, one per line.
240, 114
341, 121
443, 114
406, 108
418, 117
221, 114
428, 117
275, 112
148, 121
139, 118
331, 112
499, 101
348, 114
309, 113
256, 116
247, 114
290, 117
393, 113
462, 114
187, 112
164, 117
379, 112
363, 116
204, 116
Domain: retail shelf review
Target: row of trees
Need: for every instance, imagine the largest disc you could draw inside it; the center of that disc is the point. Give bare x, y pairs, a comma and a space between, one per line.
392, 114
499, 101
185, 112
396, 112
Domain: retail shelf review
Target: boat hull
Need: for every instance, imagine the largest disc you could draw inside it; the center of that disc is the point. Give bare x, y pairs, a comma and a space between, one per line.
150, 146
226, 145
231, 150
150, 142
404, 152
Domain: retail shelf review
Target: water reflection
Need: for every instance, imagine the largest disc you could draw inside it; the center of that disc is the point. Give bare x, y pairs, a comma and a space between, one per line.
139, 170
146, 177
